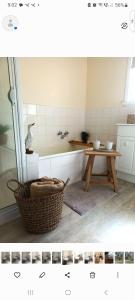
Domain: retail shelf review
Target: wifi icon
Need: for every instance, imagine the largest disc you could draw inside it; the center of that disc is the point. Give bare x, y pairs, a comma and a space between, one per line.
20, 4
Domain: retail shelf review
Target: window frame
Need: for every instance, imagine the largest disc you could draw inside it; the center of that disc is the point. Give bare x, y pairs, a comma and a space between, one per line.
126, 102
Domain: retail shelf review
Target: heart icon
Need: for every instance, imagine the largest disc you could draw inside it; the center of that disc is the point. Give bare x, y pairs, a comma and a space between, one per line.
17, 274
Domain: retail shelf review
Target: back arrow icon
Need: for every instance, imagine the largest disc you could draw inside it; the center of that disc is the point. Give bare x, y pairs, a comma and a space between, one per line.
106, 292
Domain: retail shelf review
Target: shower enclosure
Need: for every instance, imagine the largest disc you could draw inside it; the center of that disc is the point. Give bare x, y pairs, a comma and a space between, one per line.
11, 146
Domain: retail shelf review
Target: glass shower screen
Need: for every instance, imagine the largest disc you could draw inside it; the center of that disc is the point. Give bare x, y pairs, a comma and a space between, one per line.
8, 166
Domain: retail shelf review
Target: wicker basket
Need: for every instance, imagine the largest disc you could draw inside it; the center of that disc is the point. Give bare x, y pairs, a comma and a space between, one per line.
39, 215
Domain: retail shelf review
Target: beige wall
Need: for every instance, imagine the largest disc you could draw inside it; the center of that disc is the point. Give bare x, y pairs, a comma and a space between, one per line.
73, 82
106, 81
54, 81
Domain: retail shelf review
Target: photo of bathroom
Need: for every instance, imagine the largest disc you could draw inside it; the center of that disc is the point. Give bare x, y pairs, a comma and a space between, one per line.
78, 258
129, 257
109, 257
26, 258
99, 257
36, 257
5, 257
88, 258
67, 257
119, 257
67, 151
56, 257
15, 258
46, 257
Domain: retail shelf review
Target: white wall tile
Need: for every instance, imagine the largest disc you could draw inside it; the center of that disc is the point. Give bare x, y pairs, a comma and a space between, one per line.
101, 122
30, 109
50, 120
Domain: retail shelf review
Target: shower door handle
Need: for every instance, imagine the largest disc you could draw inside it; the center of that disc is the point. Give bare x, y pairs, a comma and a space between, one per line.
11, 96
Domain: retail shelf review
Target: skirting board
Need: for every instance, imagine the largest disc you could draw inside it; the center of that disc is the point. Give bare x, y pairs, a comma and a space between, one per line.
8, 214
126, 177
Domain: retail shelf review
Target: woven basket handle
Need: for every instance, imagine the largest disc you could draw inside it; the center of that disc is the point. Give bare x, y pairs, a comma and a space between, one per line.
65, 183
13, 181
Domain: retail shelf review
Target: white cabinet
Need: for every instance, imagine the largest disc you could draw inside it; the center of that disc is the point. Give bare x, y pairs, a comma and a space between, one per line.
126, 146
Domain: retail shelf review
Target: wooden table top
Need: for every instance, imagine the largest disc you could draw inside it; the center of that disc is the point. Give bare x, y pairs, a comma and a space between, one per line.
80, 143
103, 153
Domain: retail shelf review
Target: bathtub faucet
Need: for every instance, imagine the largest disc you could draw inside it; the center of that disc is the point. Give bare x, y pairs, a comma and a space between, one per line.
59, 132
66, 133
62, 134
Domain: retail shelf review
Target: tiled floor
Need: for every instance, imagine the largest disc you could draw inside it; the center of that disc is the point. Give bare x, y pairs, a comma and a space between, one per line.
112, 221
6, 197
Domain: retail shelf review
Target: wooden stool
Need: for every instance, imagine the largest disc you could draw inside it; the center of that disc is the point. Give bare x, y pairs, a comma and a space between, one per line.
111, 173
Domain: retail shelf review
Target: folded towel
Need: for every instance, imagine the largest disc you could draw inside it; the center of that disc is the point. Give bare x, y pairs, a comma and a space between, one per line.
46, 179
46, 187
45, 183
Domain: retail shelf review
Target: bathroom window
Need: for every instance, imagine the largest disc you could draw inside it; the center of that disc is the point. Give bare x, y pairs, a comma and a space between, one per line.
130, 84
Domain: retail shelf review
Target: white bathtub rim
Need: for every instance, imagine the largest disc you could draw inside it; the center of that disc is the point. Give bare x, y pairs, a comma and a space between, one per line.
62, 154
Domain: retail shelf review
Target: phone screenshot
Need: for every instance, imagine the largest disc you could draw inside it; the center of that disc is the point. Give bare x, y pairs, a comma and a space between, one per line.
67, 149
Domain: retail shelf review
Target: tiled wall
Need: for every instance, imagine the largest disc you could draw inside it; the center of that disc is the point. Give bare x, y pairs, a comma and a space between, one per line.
49, 120
101, 123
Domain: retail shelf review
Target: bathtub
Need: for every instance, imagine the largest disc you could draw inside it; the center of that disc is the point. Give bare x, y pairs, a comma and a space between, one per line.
61, 162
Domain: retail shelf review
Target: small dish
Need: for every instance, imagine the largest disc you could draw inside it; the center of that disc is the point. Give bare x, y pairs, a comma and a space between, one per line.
104, 150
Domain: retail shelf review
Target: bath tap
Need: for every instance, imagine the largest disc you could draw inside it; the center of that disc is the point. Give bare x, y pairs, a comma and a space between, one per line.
64, 134
59, 132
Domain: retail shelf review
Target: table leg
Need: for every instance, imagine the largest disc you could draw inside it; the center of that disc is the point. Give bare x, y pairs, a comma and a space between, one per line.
115, 182
109, 175
87, 167
89, 172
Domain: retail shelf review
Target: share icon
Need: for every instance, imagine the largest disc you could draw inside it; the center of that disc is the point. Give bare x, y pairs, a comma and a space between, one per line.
67, 275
